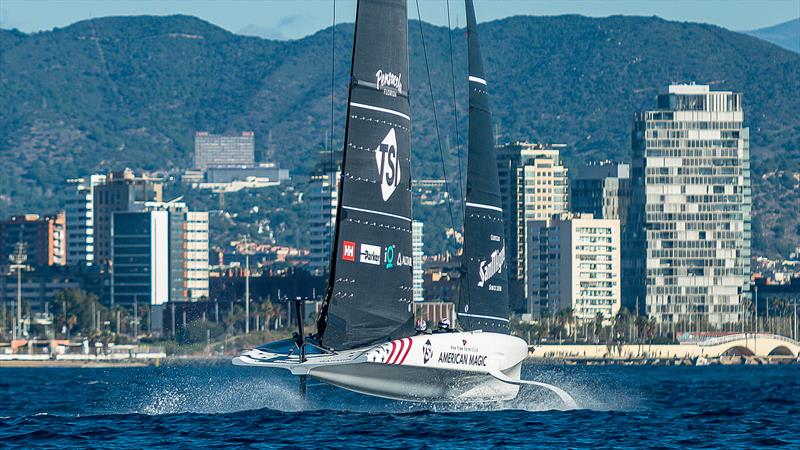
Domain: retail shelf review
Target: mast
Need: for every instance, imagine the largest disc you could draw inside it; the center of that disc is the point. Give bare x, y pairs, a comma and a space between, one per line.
369, 296
483, 299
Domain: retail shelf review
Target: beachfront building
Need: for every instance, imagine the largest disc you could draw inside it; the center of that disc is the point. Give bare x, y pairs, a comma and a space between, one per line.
322, 195
689, 227
533, 186
417, 256
120, 191
573, 263
42, 239
601, 189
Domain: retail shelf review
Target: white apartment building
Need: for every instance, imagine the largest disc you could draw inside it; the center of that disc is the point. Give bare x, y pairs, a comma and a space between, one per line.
196, 247
690, 216
80, 220
417, 254
574, 262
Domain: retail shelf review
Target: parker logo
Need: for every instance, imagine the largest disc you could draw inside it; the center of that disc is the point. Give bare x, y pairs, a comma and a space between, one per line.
427, 352
388, 165
390, 83
348, 251
370, 254
490, 268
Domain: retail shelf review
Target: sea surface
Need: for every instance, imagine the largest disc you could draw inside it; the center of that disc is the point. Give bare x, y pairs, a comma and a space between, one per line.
222, 405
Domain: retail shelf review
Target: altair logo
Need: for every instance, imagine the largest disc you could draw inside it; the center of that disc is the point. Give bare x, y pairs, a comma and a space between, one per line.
488, 269
388, 165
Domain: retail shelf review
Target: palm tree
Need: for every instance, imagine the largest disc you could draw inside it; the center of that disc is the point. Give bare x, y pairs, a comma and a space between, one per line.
235, 316
620, 326
598, 326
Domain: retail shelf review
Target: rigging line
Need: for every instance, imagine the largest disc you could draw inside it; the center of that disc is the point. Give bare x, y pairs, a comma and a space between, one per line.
436, 121
455, 108
463, 290
333, 76
331, 171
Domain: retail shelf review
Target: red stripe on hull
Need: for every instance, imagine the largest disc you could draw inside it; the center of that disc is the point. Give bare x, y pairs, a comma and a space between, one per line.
399, 352
408, 350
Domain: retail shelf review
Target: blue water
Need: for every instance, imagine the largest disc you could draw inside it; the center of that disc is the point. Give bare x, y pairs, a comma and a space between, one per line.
673, 407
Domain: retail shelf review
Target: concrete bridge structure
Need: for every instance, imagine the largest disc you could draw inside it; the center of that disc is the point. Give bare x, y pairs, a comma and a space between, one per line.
745, 344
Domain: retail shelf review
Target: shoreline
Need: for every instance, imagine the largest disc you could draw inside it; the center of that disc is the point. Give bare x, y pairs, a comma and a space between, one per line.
75, 364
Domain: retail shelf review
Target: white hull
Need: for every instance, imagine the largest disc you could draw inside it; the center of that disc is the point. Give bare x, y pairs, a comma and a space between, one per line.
464, 366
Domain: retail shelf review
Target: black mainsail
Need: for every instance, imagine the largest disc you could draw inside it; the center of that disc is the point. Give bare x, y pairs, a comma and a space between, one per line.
369, 294
483, 302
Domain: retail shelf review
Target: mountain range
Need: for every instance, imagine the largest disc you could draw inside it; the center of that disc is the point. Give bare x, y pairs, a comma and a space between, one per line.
786, 34
131, 91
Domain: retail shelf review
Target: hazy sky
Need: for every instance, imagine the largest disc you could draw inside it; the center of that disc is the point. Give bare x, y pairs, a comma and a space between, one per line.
297, 18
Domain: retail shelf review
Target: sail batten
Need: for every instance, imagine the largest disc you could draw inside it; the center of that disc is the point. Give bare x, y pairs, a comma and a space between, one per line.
369, 294
483, 299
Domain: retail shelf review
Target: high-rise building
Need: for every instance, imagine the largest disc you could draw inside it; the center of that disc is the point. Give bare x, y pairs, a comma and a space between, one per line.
322, 195
533, 186
601, 189
689, 226
140, 254
417, 254
212, 150
573, 262
119, 192
43, 238
80, 220
185, 237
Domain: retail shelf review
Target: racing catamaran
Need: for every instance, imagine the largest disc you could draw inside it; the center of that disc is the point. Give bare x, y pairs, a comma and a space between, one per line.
365, 340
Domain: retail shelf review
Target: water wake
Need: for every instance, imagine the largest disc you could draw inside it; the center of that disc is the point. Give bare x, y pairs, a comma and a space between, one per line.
221, 396
554, 388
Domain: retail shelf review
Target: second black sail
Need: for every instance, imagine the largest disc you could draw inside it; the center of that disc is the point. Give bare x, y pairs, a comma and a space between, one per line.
369, 296
483, 302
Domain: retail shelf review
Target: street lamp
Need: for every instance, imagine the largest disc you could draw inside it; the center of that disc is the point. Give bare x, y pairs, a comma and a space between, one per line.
18, 259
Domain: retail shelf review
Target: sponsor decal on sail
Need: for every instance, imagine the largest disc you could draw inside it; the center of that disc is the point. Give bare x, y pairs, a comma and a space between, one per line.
390, 83
490, 268
388, 165
394, 258
370, 254
349, 251
389, 256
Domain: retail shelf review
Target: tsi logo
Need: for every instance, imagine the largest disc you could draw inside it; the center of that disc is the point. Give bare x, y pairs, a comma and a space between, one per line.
388, 165
427, 352
370, 254
348, 251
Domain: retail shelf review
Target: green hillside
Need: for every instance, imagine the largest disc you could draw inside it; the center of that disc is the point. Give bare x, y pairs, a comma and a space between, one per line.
130, 91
